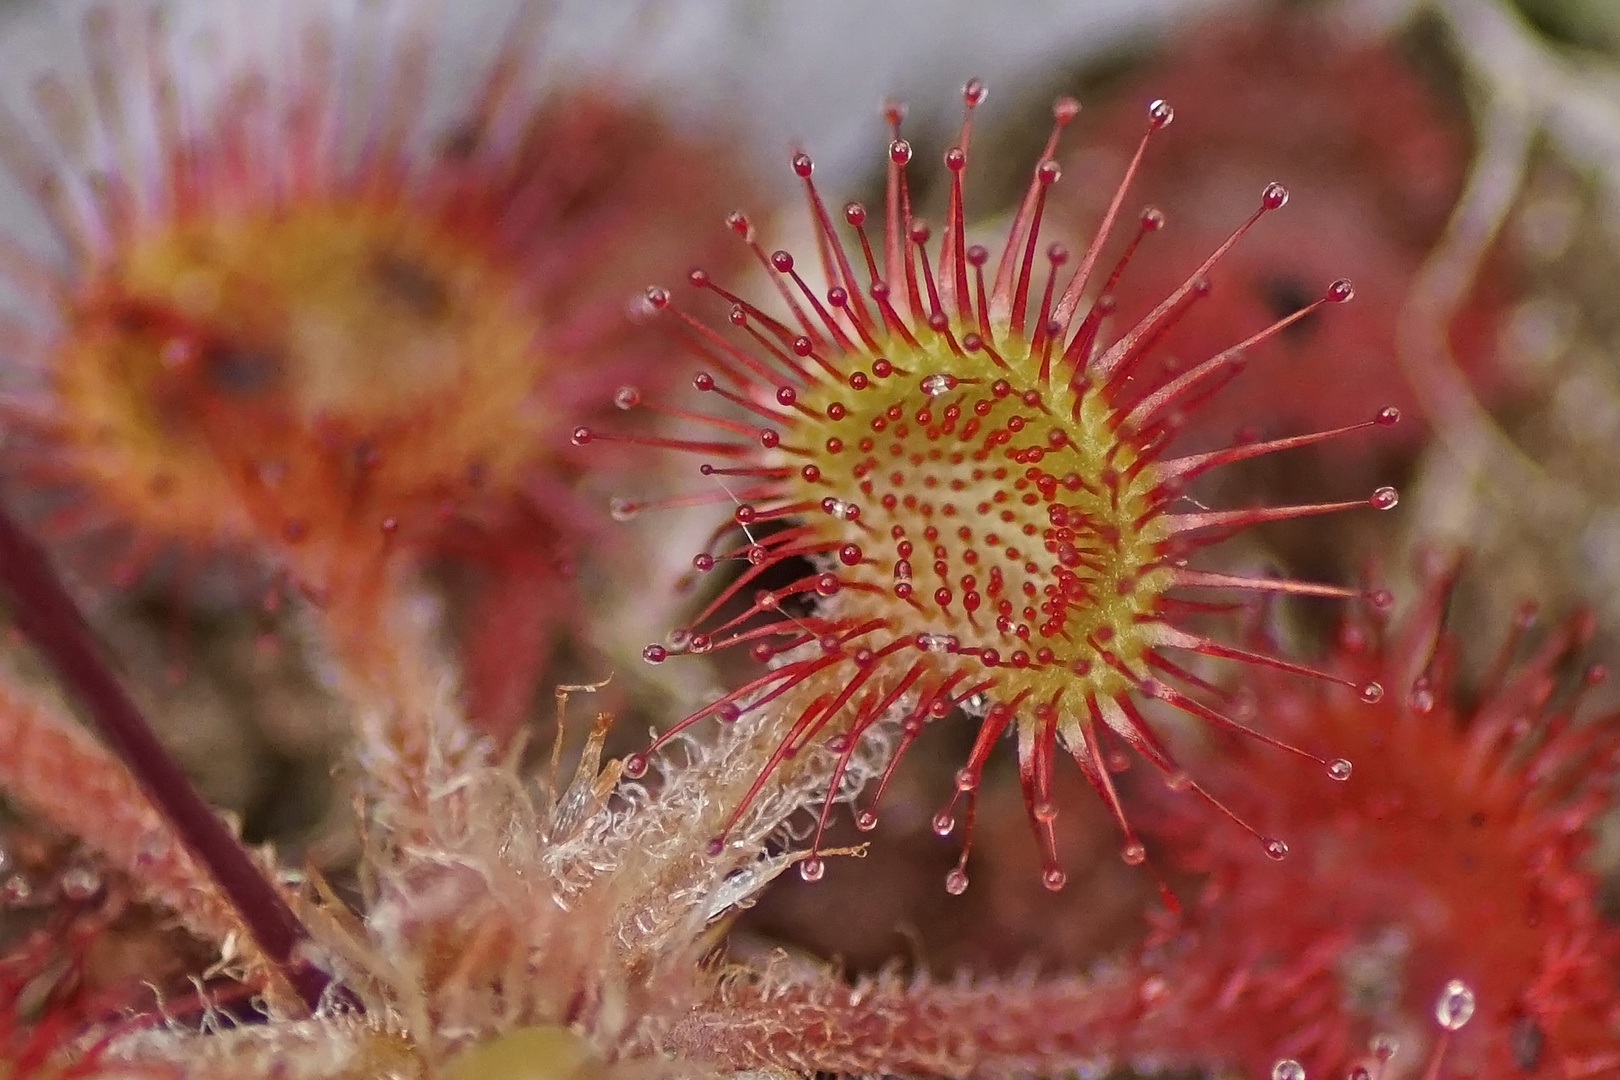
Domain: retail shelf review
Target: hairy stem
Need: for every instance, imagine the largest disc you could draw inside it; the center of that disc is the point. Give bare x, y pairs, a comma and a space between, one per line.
913, 1028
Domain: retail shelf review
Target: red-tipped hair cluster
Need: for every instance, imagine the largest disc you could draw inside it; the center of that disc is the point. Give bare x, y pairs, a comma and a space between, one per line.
952, 491
295, 320
1456, 853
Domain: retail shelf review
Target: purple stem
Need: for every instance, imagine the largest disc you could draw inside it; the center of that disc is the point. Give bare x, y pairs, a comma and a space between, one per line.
52, 622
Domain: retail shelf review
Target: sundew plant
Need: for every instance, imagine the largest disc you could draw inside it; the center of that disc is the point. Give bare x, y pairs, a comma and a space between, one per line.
912, 488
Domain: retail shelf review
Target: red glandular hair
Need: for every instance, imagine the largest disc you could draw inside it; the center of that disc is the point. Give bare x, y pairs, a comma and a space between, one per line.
953, 493
1456, 853
301, 321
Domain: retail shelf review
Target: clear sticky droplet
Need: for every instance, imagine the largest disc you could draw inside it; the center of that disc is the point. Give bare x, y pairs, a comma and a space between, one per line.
1275, 197
943, 823
1383, 1046
1372, 693
80, 884
937, 643
935, 385
1385, 498
16, 890
1455, 1006
153, 850
866, 821
837, 508
1288, 1069
1134, 854
715, 846
1160, 114
1045, 811
623, 509
956, 882
1054, 878
655, 654
627, 398
813, 868
635, 766
1276, 849
1340, 768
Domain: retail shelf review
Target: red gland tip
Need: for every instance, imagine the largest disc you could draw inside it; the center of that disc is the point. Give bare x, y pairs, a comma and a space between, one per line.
1341, 291
802, 164
974, 92
900, 151
1385, 498
1275, 197
1388, 416
1160, 114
